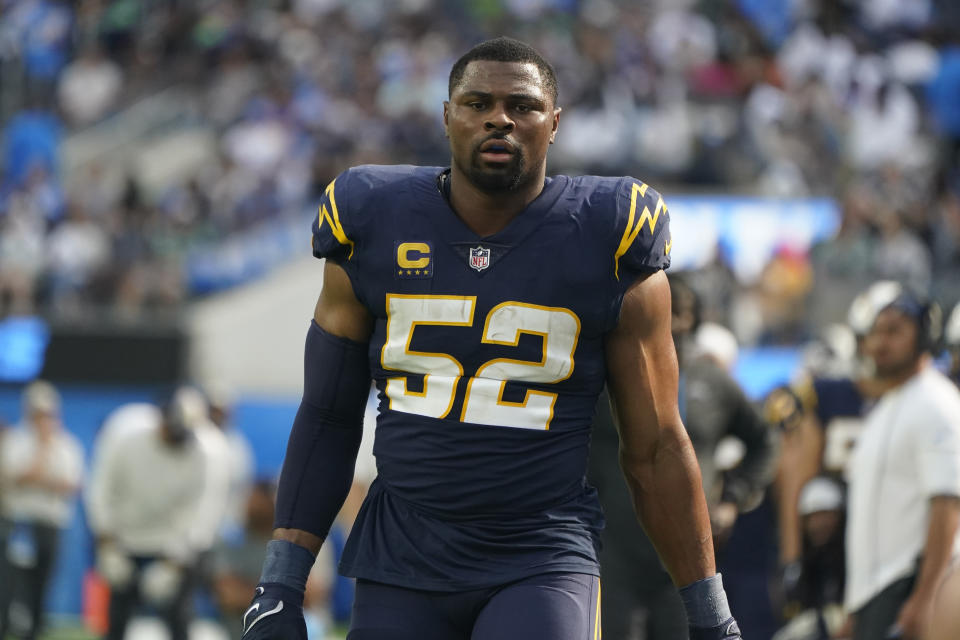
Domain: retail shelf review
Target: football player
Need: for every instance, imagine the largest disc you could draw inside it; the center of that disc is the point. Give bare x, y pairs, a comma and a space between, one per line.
490, 304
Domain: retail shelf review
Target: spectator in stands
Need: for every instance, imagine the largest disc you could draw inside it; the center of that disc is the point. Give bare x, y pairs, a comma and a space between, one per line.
155, 503
31, 140
89, 87
41, 467
76, 251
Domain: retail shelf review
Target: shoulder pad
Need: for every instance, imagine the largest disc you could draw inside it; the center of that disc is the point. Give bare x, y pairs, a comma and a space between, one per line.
642, 227
349, 204
330, 236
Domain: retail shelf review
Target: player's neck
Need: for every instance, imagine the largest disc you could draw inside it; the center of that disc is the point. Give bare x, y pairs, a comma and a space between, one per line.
487, 213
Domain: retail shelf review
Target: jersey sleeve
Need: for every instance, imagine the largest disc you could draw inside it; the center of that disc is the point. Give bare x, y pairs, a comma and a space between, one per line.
334, 228
937, 444
642, 231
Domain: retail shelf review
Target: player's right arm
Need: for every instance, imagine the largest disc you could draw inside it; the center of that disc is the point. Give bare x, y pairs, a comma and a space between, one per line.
321, 453
341, 315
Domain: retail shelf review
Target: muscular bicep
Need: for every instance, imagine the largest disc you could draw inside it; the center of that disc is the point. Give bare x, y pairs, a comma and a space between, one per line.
642, 367
338, 310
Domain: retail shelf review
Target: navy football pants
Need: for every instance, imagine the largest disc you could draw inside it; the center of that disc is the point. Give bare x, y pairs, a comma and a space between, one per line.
552, 606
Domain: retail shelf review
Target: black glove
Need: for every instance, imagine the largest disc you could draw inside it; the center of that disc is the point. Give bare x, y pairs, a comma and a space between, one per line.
275, 613
726, 630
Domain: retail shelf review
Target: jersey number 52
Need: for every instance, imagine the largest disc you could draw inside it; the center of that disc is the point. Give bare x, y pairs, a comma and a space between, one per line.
559, 329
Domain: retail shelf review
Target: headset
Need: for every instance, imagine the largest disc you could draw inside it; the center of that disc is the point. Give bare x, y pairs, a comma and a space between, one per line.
928, 316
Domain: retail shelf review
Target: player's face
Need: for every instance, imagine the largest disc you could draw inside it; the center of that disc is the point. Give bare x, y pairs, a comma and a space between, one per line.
892, 343
500, 120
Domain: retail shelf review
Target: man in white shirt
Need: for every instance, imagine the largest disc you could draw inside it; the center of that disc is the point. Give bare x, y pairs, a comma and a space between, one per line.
904, 479
41, 468
155, 502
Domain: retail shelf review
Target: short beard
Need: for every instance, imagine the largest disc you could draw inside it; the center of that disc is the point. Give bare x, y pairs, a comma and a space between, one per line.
511, 178
897, 369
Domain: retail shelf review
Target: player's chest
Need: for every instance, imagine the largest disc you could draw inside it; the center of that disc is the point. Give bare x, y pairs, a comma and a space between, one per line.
557, 264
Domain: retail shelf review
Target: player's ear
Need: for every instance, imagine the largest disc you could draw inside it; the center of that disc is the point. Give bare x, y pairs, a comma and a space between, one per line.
446, 116
556, 123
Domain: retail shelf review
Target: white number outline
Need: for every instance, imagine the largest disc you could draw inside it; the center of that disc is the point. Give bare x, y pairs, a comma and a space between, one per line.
473, 412
405, 395
475, 405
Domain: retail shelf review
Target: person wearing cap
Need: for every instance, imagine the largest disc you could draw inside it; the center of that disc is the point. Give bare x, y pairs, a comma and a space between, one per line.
819, 587
821, 415
41, 468
155, 502
904, 480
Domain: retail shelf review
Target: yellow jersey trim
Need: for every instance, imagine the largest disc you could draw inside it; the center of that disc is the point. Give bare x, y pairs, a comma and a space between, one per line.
635, 224
334, 220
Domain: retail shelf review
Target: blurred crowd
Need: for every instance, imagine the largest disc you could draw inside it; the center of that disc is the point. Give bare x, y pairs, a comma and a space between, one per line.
853, 100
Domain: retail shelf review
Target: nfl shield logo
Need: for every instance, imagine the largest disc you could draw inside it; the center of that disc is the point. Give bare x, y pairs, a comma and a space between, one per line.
479, 258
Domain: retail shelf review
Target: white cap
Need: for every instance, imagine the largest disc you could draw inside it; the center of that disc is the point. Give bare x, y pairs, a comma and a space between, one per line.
186, 408
717, 341
820, 494
833, 353
951, 333
219, 394
41, 397
865, 307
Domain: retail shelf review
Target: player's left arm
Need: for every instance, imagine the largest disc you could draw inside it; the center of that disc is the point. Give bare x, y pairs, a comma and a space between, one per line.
657, 457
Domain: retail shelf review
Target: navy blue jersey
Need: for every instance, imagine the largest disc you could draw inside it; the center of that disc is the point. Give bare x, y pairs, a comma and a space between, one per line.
839, 406
488, 357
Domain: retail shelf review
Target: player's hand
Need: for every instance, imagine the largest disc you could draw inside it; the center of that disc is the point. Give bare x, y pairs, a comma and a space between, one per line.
275, 613
727, 630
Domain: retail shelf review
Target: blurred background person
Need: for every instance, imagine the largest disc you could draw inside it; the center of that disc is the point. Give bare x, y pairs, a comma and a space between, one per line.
155, 501
221, 399
640, 601
821, 415
904, 474
41, 469
818, 591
